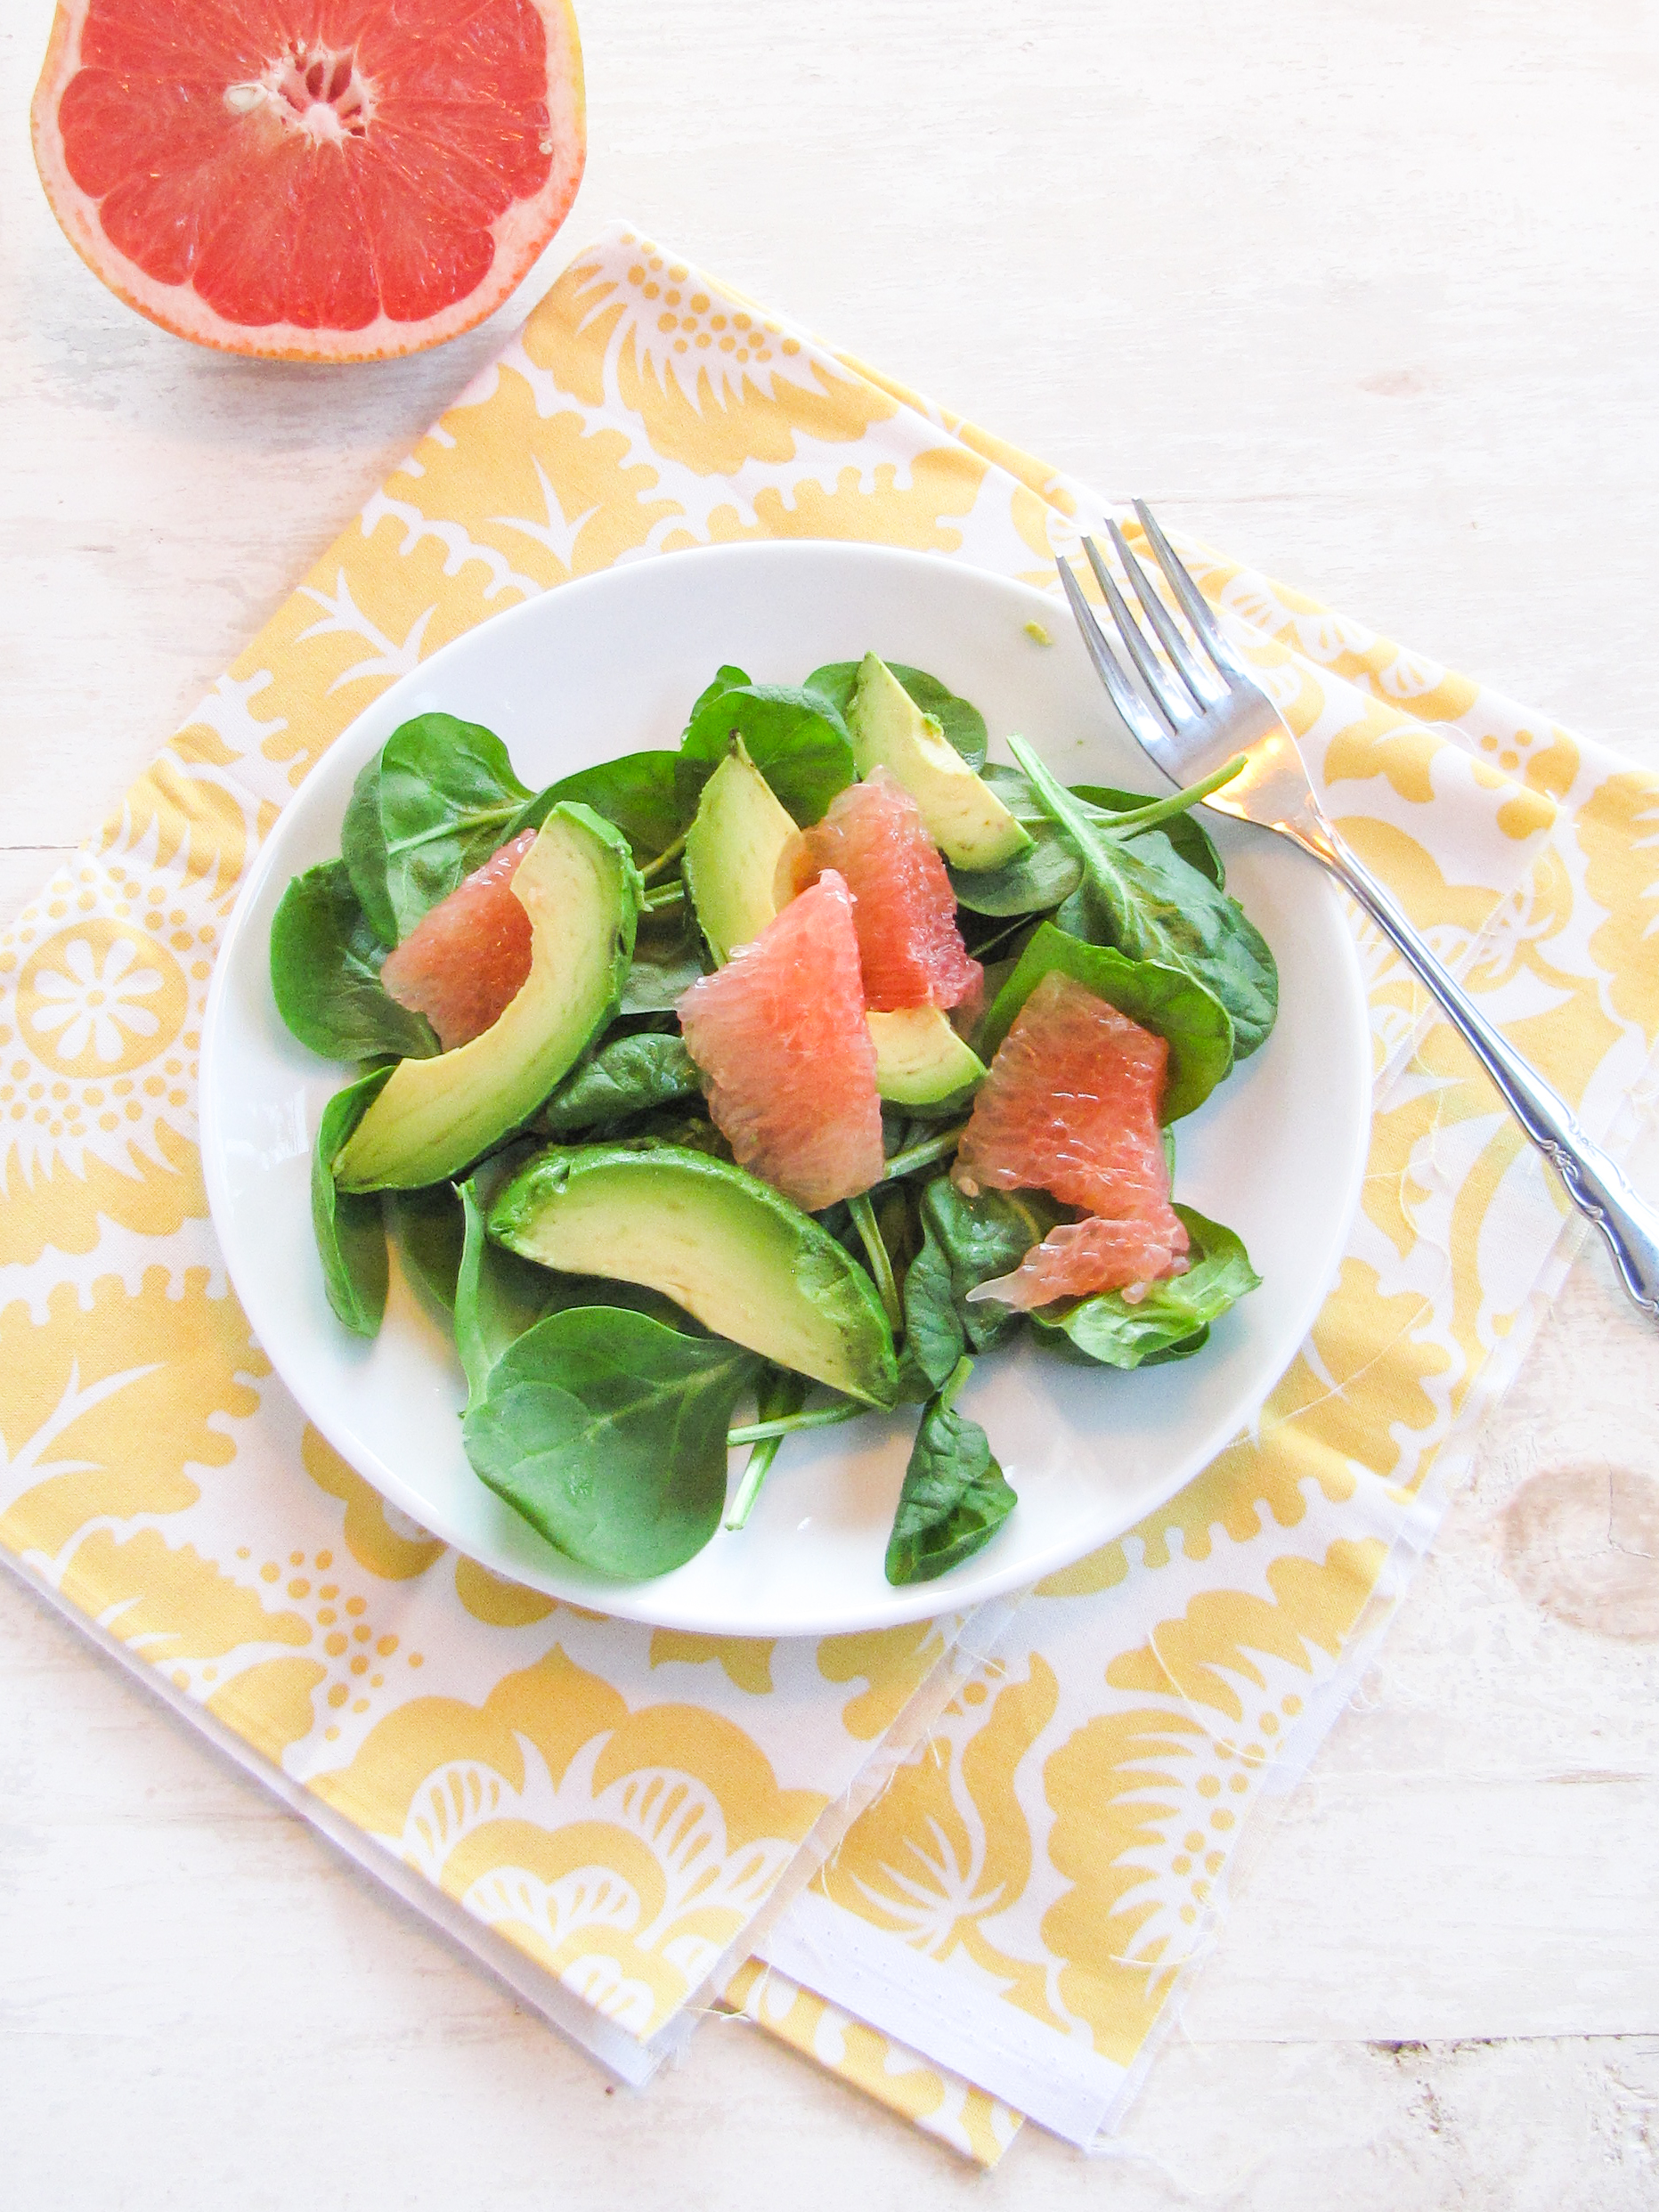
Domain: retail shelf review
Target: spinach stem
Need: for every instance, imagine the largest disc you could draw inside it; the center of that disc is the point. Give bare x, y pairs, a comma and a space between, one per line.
822, 1417
924, 1154
951, 1385
664, 896
759, 1467
669, 852
1178, 801
869, 1231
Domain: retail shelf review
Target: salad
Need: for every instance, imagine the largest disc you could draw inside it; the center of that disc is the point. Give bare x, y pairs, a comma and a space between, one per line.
761, 1082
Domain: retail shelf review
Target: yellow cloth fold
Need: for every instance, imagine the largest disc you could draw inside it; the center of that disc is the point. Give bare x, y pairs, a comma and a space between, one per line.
616, 1809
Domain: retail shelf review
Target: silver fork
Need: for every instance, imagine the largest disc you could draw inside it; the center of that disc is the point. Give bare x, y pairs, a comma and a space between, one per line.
1192, 711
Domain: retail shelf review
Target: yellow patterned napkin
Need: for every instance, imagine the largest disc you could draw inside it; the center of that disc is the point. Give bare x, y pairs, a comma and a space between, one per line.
624, 1822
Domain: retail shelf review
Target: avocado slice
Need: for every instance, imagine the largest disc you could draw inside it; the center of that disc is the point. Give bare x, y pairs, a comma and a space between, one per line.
732, 851
582, 891
965, 817
737, 1255
919, 1060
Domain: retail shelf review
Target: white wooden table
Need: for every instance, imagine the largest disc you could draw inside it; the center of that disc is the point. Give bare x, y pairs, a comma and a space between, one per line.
1365, 293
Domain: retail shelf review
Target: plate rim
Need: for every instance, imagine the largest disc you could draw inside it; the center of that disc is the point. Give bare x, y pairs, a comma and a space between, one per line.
633, 1601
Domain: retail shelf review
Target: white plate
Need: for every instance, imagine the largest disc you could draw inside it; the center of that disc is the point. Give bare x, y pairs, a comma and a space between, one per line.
611, 665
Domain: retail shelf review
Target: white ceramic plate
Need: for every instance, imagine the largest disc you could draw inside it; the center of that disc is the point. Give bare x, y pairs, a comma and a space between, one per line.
611, 665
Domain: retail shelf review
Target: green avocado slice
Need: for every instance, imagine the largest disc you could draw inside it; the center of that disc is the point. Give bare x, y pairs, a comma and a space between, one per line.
732, 852
737, 1255
582, 891
965, 817
919, 1060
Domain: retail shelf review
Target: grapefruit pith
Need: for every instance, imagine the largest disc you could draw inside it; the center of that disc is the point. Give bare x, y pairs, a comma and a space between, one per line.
905, 911
324, 180
780, 1035
1070, 1106
463, 962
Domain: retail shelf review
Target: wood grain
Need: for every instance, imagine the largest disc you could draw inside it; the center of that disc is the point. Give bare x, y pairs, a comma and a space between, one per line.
1367, 296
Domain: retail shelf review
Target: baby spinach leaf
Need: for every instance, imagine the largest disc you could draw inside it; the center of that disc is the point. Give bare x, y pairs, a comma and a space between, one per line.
955, 1497
666, 962
727, 678
498, 1296
1139, 897
796, 739
348, 1226
429, 1225
1191, 841
963, 724
966, 1241
640, 794
362, 849
325, 974
1034, 884
447, 797
1167, 999
607, 1432
1173, 1320
630, 1075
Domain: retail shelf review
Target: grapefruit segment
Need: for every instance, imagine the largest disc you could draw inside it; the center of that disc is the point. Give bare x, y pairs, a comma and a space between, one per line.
905, 911
1070, 1106
334, 180
780, 1035
463, 962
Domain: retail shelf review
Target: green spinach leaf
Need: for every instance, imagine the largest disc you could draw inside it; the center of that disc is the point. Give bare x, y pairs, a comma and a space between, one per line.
362, 849
727, 678
667, 961
640, 794
1169, 1000
429, 1225
348, 1226
447, 797
1173, 1320
963, 724
966, 1241
325, 974
954, 1497
1137, 896
607, 1432
795, 738
630, 1075
1192, 842
1036, 882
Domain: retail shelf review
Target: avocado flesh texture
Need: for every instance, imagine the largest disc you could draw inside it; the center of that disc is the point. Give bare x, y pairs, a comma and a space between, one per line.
919, 1060
722, 1244
580, 887
965, 817
732, 852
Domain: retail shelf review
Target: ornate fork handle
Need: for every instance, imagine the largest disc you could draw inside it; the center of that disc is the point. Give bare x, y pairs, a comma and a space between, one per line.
1592, 1181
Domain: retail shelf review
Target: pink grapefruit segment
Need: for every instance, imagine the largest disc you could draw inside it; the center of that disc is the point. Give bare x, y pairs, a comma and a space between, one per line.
780, 1035
903, 910
1070, 1105
330, 180
463, 962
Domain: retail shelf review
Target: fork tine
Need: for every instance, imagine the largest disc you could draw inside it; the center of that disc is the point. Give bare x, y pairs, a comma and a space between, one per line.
1204, 691
1194, 604
1167, 700
1110, 670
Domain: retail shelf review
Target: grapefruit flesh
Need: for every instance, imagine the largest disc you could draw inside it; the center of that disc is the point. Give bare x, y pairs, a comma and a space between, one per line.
463, 962
786, 1054
905, 911
1070, 1105
314, 179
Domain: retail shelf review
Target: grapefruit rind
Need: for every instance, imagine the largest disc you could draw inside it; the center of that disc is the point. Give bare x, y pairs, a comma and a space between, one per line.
520, 233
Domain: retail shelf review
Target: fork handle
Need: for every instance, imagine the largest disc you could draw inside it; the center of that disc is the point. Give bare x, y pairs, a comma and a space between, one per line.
1594, 1183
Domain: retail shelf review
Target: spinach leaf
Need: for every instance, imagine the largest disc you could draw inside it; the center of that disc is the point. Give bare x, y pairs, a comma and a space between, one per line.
362, 849
1167, 999
796, 739
1036, 882
666, 962
640, 794
727, 678
955, 1497
630, 1075
325, 974
607, 1432
348, 1225
498, 1296
1173, 1320
1191, 841
429, 1225
963, 724
1142, 899
447, 797
966, 1241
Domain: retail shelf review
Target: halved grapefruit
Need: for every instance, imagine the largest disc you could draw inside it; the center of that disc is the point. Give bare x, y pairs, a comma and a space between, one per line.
1070, 1105
317, 180
463, 962
904, 909
780, 1035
